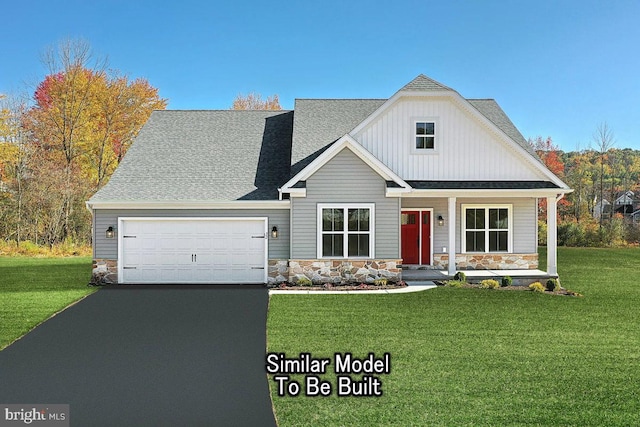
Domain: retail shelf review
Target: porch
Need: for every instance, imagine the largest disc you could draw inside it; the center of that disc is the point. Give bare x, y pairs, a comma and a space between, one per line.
419, 274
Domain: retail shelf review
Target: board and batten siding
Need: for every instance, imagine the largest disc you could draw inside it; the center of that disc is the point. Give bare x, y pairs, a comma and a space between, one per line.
465, 149
345, 179
108, 248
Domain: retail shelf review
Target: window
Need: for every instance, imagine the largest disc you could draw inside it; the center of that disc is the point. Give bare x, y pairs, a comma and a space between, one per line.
345, 231
487, 228
425, 135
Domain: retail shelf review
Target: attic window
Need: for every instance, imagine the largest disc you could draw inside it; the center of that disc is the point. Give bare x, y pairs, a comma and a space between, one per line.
425, 135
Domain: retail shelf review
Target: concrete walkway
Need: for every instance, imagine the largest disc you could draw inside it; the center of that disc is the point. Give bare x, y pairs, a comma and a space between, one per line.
413, 286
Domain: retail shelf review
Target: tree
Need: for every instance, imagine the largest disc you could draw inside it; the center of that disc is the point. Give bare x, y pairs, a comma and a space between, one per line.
81, 125
604, 140
254, 101
550, 156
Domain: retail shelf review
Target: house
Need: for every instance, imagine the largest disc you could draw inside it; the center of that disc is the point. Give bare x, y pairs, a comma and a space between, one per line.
337, 189
625, 204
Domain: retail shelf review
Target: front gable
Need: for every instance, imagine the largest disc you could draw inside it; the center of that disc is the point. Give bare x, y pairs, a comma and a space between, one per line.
470, 140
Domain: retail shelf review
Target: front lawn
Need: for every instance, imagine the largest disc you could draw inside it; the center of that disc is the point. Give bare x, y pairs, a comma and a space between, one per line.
478, 357
33, 289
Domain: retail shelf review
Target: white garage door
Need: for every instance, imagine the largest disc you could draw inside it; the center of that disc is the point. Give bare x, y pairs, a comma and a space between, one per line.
194, 250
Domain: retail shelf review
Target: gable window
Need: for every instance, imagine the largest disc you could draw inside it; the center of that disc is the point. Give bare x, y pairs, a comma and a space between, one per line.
425, 134
487, 228
345, 231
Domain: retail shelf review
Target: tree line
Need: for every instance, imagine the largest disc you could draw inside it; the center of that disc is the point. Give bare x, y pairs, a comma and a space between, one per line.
598, 175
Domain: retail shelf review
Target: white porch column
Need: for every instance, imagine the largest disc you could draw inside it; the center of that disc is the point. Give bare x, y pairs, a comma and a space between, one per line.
452, 236
552, 236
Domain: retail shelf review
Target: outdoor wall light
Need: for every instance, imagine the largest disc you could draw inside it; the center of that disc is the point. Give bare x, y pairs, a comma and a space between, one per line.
274, 232
110, 233
440, 220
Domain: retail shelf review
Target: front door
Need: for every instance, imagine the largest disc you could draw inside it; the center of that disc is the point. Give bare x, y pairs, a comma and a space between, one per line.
409, 234
415, 233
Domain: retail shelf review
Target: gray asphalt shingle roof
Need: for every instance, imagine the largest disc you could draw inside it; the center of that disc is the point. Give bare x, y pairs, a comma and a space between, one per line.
247, 155
205, 156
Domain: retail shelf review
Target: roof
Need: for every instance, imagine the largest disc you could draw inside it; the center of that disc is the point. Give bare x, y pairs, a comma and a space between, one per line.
318, 123
229, 155
205, 156
423, 83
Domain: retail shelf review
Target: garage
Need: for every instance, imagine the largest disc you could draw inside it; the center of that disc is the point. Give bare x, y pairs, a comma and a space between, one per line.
192, 250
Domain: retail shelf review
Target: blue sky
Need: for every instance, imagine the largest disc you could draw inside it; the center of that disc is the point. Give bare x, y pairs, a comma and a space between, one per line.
558, 68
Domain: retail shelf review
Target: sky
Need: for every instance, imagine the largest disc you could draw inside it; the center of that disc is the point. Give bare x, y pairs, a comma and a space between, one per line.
558, 68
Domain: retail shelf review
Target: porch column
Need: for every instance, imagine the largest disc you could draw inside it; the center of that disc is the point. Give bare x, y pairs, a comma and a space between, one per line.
552, 236
452, 236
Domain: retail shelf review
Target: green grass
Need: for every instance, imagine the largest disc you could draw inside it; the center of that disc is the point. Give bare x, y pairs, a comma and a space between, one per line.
479, 357
33, 289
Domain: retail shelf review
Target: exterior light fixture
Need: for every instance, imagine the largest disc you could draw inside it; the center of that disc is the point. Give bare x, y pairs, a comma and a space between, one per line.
440, 220
110, 233
274, 232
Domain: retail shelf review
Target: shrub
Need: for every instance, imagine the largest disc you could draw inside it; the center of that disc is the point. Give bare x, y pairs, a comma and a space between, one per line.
304, 281
380, 282
454, 283
460, 276
552, 285
537, 287
489, 284
507, 281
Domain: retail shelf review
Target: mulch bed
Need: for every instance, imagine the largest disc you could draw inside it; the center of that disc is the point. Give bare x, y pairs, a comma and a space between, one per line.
562, 291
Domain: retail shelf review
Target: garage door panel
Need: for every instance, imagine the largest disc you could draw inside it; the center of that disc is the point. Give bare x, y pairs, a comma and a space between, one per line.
193, 251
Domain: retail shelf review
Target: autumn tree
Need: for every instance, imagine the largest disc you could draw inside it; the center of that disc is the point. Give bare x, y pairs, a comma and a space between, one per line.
81, 125
549, 153
254, 101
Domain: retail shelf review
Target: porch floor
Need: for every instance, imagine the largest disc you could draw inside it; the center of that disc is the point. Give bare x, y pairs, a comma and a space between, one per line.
420, 275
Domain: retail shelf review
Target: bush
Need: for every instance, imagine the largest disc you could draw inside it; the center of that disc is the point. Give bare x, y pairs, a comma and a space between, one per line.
304, 281
489, 284
507, 281
380, 282
460, 276
537, 287
455, 283
553, 285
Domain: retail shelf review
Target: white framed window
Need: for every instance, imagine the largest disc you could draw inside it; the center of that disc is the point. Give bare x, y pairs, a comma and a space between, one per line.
487, 228
425, 134
345, 230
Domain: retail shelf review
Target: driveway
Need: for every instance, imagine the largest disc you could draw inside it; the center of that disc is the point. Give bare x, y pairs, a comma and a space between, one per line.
149, 356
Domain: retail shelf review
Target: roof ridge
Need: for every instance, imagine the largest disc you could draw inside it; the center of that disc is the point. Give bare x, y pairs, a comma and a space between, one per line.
423, 83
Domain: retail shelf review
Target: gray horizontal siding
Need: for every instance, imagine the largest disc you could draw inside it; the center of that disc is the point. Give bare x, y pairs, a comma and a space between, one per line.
345, 179
108, 248
524, 220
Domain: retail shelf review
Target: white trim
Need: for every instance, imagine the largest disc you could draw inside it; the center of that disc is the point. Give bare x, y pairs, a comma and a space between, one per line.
235, 204
486, 207
345, 243
436, 138
121, 220
349, 143
431, 222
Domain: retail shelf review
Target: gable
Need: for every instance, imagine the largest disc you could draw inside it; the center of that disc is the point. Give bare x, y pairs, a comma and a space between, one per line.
469, 146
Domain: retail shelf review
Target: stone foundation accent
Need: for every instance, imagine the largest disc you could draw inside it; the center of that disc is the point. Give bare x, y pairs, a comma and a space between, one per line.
333, 271
488, 261
105, 272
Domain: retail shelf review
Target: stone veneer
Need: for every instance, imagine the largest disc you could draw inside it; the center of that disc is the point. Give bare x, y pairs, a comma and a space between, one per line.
333, 271
105, 272
488, 261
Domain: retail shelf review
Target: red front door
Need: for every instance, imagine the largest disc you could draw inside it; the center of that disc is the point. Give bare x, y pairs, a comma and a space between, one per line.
415, 234
409, 237
426, 238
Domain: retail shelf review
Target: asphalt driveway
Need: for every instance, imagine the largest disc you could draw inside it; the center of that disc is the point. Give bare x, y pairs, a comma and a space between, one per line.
149, 356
